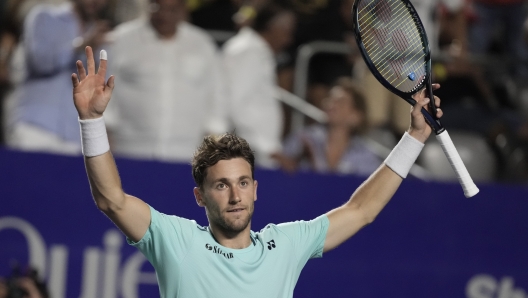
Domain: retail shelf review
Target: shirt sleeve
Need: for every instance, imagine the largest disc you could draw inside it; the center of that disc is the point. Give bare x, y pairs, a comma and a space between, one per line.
166, 235
307, 237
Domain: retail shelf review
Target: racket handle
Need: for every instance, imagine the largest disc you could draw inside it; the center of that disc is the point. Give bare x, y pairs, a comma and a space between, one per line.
469, 187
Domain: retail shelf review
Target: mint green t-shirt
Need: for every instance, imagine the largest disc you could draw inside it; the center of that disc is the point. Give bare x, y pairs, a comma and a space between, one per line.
189, 262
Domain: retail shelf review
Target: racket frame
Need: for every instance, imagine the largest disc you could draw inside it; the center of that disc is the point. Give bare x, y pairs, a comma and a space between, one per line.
431, 119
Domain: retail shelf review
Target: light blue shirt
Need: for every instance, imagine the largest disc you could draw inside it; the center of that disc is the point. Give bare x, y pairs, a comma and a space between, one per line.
44, 98
190, 263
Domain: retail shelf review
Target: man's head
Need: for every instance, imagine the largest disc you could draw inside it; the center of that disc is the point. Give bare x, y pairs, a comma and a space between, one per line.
219, 147
90, 9
276, 25
165, 16
223, 169
346, 106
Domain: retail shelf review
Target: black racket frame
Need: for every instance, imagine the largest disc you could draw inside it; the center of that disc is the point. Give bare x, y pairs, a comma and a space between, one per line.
433, 121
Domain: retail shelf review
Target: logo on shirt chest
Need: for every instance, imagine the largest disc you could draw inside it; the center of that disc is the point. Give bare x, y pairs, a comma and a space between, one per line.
271, 244
217, 250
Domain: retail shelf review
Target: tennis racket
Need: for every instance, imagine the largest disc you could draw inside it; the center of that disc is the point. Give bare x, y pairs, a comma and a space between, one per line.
393, 43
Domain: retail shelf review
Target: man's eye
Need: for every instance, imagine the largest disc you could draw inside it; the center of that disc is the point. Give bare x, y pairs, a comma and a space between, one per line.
221, 186
244, 183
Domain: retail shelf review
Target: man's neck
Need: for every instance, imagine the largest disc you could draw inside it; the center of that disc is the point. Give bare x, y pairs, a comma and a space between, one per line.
165, 33
268, 39
233, 240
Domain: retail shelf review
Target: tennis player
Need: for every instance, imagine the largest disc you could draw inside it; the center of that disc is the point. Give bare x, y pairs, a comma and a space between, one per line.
226, 258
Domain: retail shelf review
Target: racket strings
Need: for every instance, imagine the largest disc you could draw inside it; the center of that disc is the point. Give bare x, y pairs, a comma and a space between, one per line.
399, 50
379, 57
398, 12
414, 38
399, 44
392, 65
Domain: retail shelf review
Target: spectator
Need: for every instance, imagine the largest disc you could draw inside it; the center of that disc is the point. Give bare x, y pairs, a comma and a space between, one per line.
23, 285
251, 72
169, 77
508, 16
12, 14
42, 116
337, 146
3, 288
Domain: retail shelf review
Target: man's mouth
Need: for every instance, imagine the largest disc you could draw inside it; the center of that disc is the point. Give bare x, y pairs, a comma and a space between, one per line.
235, 210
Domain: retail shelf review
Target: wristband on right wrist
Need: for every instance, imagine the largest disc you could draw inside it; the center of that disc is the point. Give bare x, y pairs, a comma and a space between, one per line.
93, 137
404, 154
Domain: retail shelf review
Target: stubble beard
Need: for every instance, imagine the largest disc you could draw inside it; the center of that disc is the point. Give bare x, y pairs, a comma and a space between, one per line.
232, 226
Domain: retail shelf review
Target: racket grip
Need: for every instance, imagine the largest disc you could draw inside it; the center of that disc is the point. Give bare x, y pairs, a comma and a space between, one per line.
469, 187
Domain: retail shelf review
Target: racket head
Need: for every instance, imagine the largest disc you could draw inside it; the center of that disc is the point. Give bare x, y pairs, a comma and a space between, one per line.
393, 42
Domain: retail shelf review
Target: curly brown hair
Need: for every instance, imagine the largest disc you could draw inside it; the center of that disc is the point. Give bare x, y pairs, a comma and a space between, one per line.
219, 147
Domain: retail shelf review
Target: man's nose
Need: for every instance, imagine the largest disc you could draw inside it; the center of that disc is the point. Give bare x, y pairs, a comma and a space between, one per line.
234, 195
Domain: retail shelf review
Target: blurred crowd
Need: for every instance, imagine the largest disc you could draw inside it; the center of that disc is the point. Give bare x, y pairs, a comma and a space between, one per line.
23, 284
187, 68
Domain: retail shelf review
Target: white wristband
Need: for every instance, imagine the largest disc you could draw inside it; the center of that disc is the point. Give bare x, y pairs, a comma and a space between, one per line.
403, 156
93, 137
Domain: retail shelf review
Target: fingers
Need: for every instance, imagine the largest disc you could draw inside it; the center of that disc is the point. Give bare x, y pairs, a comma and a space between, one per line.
439, 113
423, 92
103, 57
437, 101
420, 103
424, 103
80, 70
110, 84
90, 63
75, 80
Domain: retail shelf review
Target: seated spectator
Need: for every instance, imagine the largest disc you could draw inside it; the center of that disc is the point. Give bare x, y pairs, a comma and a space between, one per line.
170, 83
249, 59
43, 117
338, 145
25, 284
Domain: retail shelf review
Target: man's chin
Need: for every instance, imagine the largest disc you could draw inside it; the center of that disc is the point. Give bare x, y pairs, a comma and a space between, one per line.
237, 225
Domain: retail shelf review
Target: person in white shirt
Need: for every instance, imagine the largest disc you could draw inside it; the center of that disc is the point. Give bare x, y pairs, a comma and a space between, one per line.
249, 59
170, 75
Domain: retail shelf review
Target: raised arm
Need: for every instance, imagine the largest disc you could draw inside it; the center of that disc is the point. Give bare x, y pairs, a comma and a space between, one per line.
91, 96
370, 198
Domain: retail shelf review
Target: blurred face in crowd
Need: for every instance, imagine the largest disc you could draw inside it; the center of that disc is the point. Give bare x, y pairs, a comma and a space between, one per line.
3, 289
228, 195
340, 108
165, 16
279, 33
90, 9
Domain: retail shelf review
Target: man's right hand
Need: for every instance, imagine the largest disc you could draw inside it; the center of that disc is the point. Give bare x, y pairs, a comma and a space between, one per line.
90, 93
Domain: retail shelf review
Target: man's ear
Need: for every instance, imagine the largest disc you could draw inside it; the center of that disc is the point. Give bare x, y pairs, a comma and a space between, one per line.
255, 195
198, 196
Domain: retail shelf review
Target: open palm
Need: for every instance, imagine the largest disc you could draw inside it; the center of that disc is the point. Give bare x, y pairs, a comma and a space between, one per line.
90, 93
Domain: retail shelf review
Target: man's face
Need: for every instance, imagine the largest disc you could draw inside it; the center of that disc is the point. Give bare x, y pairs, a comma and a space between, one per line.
281, 30
228, 195
340, 108
166, 14
91, 8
